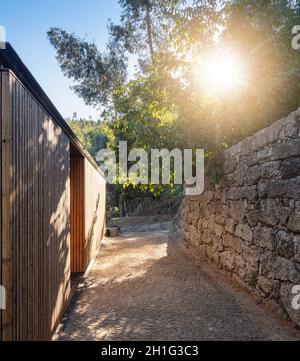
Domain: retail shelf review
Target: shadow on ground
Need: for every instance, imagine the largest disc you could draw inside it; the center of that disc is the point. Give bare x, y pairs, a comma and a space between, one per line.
145, 287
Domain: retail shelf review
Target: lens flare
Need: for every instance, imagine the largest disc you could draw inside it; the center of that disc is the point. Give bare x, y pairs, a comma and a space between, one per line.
222, 73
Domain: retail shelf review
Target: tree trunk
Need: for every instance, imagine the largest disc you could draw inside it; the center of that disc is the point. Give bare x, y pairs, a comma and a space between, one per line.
149, 32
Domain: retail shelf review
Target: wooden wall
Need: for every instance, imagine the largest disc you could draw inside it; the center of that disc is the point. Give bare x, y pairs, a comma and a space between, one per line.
87, 213
35, 214
1, 238
77, 214
38, 216
6, 206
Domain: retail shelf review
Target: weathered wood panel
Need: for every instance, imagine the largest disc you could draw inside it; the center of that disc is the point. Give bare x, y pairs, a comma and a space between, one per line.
87, 213
77, 214
6, 204
35, 252
1, 266
47, 196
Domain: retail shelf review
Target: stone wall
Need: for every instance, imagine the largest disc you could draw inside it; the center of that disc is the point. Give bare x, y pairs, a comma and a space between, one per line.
249, 225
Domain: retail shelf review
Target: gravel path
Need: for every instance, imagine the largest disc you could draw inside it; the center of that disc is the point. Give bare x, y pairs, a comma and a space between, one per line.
145, 287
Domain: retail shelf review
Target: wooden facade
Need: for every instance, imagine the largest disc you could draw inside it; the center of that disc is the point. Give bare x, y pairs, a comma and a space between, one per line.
52, 206
77, 213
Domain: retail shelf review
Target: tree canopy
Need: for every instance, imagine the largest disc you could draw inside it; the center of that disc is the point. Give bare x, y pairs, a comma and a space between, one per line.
165, 103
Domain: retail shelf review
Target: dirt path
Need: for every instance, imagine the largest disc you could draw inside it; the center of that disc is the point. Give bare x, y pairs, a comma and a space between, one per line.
144, 287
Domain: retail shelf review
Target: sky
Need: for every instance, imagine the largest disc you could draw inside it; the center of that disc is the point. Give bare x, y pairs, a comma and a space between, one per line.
26, 23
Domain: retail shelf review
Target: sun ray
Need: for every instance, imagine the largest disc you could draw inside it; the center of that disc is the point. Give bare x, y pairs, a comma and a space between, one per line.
222, 73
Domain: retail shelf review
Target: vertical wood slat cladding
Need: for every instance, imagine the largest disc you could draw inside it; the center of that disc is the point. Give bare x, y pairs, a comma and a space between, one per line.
35, 212
1, 281
1, 238
6, 204
87, 213
52, 213
77, 214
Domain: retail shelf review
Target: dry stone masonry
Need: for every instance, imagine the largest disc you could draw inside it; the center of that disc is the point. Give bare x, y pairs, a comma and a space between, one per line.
249, 225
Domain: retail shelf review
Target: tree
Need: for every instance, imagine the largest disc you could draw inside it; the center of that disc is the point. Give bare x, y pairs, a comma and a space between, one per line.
142, 22
93, 135
94, 73
165, 104
261, 31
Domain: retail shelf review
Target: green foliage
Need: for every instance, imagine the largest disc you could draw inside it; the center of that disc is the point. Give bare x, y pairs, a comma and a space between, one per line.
93, 135
143, 28
94, 73
261, 30
145, 117
165, 104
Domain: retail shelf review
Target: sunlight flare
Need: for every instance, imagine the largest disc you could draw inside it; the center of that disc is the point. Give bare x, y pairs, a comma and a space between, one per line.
222, 73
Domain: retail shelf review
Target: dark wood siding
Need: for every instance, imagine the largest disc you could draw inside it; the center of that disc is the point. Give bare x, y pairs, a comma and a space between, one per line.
36, 162
87, 213
36, 212
6, 203
77, 214
1, 264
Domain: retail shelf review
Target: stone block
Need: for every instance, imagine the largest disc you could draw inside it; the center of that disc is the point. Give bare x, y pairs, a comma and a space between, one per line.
251, 256
206, 237
285, 188
272, 212
263, 237
240, 267
186, 236
204, 223
246, 146
244, 232
227, 259
291, 128
253, 217
251, 275
286, 150
294, 221
224, 211
269, 287
230, 225
224, 197
285, 244
209, 251
263, 171
234, 150
219, 219
230, 241
297, 248
237, 210
290, 168
218, 192
247, 192
207, 197
218, 229
278, 268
